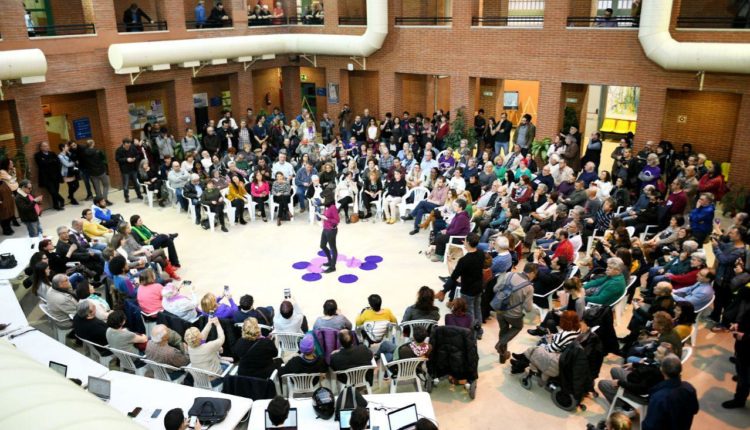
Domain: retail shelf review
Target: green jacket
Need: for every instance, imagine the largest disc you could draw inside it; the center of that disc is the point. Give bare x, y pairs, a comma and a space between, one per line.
611, 288
210, 195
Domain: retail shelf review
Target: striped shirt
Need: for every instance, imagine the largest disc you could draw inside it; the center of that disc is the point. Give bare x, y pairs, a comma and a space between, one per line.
561, 339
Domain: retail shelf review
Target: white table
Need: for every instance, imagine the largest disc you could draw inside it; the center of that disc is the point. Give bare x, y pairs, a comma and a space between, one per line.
22, 249
44, 349
306, 418
10, 309
131, 391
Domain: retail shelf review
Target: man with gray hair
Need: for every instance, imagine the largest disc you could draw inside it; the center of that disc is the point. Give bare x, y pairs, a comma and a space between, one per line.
166, 347
672, 403
86, 326
193, 191
606, 290
61, 301
29, 208
679, 264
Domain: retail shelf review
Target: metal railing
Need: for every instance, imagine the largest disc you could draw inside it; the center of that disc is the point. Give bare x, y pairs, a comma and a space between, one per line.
423, 20
600, 21
352, 20
507, 21
209, 24
62, 30
739, 23
306, 20
146, 26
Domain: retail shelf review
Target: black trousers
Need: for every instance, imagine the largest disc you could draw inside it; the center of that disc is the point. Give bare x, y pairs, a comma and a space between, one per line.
260, 204
72, 188
239, 208
283, 202
53, 189
328, 245
218, 209
164, 241
743, 379
345, 205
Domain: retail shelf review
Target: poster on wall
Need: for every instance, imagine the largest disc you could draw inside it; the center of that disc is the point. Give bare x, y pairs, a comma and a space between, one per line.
333, 93
141, 112
622, 103
200, 100
510, 100
82, 128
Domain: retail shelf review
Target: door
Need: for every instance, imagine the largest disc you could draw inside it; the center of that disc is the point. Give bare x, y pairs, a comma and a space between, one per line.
309, 99
201, 119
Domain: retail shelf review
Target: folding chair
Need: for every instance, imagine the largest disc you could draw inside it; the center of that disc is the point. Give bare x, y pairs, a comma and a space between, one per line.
287, 342
418, 194
93, 351
356, 377
202, 378
60, 333
301, 383
406, 370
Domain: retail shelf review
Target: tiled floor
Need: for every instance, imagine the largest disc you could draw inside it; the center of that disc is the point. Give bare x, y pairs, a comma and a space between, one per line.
257, 259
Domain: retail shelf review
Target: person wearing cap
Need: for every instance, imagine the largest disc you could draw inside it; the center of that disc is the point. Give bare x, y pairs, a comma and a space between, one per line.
256, 354
178, 304
307, 361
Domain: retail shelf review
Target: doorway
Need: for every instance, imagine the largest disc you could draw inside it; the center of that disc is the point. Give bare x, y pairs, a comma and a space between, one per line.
201, 119
309, 99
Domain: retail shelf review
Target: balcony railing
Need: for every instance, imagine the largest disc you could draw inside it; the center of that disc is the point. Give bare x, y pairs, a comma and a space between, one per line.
713, 22
352, 20
507, 21
146, 26
209, 24
423, 20
306, 20
62, 30
600, 21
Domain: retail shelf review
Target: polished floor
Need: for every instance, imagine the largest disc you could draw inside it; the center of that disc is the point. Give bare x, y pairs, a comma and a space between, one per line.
257, 259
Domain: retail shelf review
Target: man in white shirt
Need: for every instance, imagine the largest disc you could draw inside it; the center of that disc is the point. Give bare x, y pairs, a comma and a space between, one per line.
290, 318
428, 162
283, 166
227, 118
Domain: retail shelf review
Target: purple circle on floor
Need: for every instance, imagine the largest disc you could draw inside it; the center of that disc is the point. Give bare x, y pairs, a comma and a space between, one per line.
321, 253
314, 268
312, 277
373, 259
368, 266
300, 265
348, 279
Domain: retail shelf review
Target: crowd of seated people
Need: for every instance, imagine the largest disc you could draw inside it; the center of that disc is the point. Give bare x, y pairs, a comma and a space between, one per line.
509, 207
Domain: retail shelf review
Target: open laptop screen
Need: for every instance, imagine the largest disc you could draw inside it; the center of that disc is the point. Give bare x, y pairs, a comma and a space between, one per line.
99, 387
404, 418
59, 368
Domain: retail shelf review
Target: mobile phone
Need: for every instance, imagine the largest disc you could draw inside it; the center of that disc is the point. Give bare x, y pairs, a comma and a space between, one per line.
287, 293
187, 283
134, 413
156, 413
226, 289
192, 422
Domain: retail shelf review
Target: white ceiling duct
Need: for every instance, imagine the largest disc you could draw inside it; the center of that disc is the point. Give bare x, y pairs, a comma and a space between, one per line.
27, 65
670, 54
132, 57
35, 397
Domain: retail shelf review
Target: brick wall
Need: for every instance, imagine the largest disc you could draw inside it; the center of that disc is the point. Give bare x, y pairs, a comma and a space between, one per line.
267, 90
352, 8
708, 114
143, 95
74, 106
6, 121
697, 8
67, 12
153, 8
363, 92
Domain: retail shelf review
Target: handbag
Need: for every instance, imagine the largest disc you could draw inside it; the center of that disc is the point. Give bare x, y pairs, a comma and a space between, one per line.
7, 261
354, 218
210, 410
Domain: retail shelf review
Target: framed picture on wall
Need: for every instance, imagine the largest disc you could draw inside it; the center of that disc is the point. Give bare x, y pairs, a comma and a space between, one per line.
200, 100
333, 93
510, 100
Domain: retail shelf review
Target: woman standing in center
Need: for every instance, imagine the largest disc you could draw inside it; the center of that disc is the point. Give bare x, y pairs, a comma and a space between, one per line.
330, 218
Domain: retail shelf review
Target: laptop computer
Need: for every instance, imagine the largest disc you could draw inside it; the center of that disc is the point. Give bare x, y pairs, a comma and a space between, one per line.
289, 424
99, 387
404, 418
345, 416
59, 368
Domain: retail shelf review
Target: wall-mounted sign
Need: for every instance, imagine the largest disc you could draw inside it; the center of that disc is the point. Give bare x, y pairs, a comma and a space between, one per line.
82, 128
302, 77
333, 93
320, 91
487, 94
571, 100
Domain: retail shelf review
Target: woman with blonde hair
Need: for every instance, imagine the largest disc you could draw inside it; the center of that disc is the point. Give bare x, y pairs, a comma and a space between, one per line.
212, 306
205, 355
256, 354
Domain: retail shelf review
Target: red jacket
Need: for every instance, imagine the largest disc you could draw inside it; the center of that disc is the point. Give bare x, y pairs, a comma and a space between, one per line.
684, 280
565, 249
715, 185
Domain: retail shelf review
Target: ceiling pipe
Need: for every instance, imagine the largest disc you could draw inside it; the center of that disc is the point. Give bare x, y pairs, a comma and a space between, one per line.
128, 58
26, 65
661, 48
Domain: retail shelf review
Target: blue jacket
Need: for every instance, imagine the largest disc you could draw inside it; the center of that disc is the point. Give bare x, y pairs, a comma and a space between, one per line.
699, 295
102, 214
726, 255
701, 219
200, 14
303, 176
671, 406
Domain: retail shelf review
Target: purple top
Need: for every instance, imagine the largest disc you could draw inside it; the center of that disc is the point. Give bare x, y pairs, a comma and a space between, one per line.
464, 321
654, 172
224, 311
446, 162
460, 225
332, 215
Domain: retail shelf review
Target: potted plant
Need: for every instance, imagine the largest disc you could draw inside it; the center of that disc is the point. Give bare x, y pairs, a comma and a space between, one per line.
459, 131
539, 150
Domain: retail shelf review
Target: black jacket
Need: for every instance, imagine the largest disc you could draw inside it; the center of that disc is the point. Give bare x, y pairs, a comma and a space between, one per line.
122, 155
546, 281
256, 357
93, 330
211, 143
575, 376
642, 379
134, 23
454, 353
49, 169
189, 191
26, 210
469, 268
93, 161
251, 388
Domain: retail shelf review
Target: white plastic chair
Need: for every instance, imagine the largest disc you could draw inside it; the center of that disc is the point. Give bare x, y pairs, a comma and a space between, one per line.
698, 313
377, 203
173, 196
549, 296
371, 332
686, 353
648, 232
418, 193
426, 324
211, 216
619, 304
162, 371
590, 242
128, 362
301, 383
202, 378
639, 403
93, 352
149, 193
228, 208
148, 321
406, 370
60, 333
631, 230
356, 377
287, 342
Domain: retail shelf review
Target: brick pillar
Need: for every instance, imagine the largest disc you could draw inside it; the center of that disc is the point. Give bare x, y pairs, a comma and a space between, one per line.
181, 106
113, 106
740, 155
556, 15
331, 21
333, 76
105, 19
398, 88
388, 96
12, 22
650, 114
290, 88
459, 95
461, 14
237, 11
549, 112
29, 127
173, 11
241, 90
290, 7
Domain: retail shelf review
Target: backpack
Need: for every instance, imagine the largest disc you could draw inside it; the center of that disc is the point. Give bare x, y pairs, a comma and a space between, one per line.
501, 301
